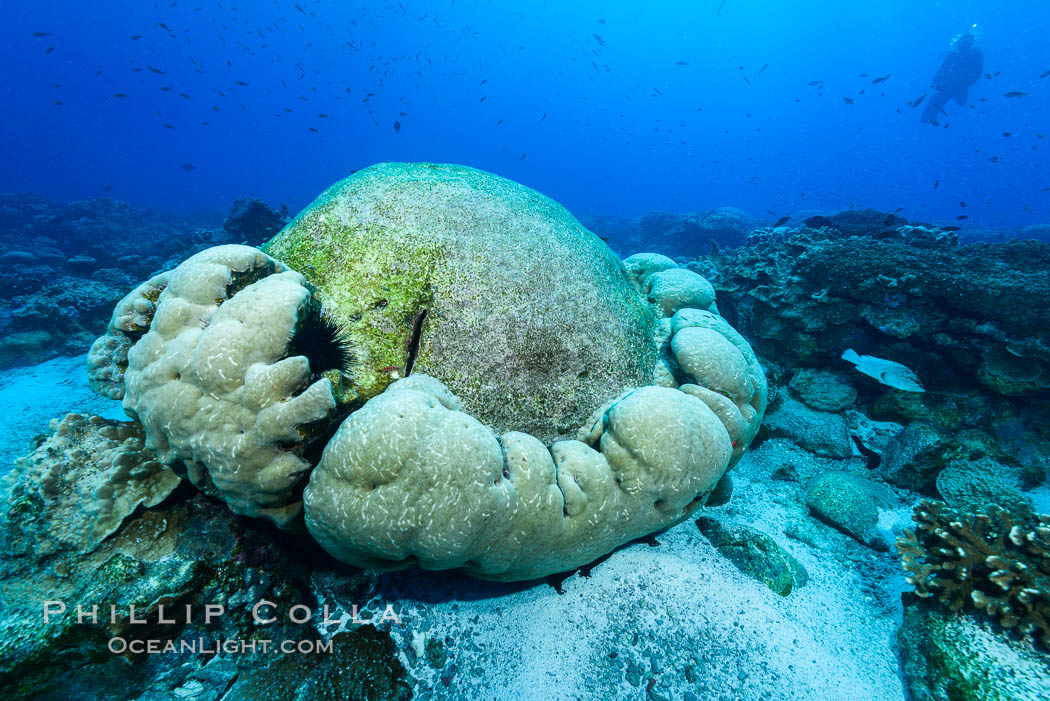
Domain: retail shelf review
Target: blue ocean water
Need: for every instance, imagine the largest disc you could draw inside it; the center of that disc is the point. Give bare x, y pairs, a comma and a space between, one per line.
607, 107
762, 413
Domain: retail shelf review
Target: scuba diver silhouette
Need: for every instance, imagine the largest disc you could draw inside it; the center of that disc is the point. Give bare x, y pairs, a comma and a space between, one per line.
960, 69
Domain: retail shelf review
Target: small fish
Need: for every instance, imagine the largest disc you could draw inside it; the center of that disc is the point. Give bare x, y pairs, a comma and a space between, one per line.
120, 95
723, 4
188, 166
1015, 93
848, 100
241, 82
763, 69
522, 157
815, 82
962, 203
782, 221
41, 34
397, 127
168, 126
681, 63
49, 49
936, 184
313, 130
953, 227
1045, 74
598, 38
918, 101
881, 79
154, 70
890, 373
541, 118
164, 27
135, 37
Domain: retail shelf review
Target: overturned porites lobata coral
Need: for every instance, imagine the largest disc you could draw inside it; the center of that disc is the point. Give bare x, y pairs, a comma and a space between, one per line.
991, 560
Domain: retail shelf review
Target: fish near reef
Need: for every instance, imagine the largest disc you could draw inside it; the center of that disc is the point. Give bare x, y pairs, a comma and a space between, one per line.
887, 372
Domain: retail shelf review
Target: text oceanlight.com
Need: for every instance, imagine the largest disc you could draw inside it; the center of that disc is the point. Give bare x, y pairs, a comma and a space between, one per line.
120, 646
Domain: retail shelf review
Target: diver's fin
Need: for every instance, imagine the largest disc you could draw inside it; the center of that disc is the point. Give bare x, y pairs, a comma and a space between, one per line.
933, 108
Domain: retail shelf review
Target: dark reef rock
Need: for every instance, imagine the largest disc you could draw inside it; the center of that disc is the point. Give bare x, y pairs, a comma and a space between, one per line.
959, 316
865, 222
674, 234
972, 321
63, 267
253, 222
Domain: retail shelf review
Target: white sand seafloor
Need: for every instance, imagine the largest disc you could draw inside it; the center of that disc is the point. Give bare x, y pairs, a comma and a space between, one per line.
674, 621
32, 396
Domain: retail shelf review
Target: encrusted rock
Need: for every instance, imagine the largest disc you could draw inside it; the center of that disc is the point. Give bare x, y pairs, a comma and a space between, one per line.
824, 390
913, 457
79, 486
819, 432
852, 504
755, 554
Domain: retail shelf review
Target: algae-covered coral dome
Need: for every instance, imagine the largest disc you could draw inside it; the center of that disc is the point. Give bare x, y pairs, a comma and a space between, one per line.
458, 372
475, 279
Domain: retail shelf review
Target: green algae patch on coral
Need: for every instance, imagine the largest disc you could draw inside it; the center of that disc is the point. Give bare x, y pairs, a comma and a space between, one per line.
485, 284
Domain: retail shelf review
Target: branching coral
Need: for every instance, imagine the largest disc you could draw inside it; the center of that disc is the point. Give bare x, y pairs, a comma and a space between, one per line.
990, 560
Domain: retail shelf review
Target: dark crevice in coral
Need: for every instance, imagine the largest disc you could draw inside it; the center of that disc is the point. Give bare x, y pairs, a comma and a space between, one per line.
413, 342
239, 279
319, 433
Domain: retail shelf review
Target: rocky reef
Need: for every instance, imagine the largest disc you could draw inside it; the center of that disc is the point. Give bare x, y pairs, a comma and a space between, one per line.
673, 235
64, 266
969, 320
